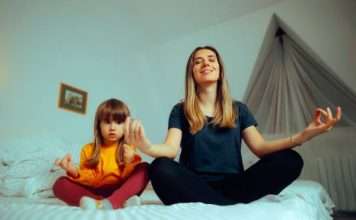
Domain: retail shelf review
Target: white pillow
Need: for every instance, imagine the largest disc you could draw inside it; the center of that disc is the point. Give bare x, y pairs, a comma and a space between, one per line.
44, 146
27, 163
35, 180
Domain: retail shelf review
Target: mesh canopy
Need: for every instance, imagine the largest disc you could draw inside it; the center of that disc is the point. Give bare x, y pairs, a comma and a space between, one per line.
290, 84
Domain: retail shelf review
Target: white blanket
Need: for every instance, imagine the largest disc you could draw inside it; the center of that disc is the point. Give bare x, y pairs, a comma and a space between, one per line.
303, 200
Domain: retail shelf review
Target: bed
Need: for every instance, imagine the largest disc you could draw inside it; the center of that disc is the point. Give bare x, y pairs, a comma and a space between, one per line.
27, 175
303, 200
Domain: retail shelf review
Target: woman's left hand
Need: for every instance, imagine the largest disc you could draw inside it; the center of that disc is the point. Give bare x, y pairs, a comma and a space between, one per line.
135, 134
323, 121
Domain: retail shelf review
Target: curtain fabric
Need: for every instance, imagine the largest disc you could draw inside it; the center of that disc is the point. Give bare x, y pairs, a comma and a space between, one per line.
284, 93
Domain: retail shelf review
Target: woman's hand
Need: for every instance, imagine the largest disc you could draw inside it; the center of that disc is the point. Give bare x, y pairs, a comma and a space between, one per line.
135, 134
323, 121
66, 164
129, 153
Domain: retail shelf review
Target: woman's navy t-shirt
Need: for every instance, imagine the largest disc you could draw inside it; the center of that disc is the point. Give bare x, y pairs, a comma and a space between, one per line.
212, 149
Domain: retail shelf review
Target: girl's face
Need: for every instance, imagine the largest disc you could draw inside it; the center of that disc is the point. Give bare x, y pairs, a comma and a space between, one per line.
206, 68
112, 131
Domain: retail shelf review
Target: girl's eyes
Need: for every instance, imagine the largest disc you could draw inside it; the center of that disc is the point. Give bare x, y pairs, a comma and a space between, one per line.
109, 122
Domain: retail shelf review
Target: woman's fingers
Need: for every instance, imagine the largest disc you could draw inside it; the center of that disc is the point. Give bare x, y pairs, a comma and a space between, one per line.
141, 132
330, 114
138, 135
127, 129
133, 130
338, 113
133, 126
319, 113
330, 119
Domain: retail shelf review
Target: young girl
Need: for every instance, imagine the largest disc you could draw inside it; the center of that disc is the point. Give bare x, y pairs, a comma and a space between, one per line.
110, 172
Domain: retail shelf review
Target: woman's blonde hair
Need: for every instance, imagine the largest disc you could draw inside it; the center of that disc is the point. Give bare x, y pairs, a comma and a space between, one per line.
108, 111
224, 115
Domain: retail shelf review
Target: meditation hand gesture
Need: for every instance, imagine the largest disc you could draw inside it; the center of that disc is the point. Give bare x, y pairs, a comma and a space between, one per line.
66, 164
135, 134
322, 122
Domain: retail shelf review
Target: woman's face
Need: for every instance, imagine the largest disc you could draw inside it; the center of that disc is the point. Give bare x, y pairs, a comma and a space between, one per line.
206, 68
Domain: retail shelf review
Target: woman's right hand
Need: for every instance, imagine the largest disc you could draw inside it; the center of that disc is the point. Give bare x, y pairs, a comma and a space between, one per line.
323, 121
135, 134
66, 164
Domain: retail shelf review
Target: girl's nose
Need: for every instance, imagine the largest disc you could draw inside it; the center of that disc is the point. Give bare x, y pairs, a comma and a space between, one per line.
112, 124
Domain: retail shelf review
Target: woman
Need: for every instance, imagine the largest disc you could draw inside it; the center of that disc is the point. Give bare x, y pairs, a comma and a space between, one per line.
208, 126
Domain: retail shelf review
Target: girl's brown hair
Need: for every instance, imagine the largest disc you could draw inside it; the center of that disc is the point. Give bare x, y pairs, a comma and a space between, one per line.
225, 114
110, 110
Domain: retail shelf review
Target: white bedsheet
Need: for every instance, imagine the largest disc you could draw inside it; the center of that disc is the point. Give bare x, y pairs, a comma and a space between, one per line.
303, 200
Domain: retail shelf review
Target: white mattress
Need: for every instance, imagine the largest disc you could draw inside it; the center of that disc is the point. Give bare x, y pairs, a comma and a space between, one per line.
303, 200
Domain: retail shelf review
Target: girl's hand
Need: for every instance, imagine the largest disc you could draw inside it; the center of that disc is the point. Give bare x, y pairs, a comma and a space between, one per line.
66, 164
322, 122
135, 134
129, 153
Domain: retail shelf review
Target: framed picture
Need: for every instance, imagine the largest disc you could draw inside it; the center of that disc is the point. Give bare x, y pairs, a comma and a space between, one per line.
72, 99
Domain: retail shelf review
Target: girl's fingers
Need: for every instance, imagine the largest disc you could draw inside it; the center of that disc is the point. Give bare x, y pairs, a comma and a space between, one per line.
68, 157
64, 164
57, 162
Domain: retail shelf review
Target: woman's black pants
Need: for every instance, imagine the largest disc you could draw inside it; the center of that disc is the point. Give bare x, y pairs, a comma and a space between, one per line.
174, 183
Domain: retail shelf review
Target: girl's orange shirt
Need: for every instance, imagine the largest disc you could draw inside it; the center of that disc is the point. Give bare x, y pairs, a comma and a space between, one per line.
107, 172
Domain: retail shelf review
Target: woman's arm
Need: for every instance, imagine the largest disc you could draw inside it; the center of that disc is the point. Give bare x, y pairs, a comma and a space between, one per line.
135, 135
322, 122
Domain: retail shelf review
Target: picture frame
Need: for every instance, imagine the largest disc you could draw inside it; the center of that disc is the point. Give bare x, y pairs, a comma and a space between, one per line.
72, 99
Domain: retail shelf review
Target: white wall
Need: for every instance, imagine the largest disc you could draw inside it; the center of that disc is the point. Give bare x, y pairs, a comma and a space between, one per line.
326, 26
44, 43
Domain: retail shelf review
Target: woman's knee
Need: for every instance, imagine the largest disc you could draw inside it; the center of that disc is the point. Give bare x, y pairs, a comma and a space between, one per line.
292, 160
288, 159
161, 167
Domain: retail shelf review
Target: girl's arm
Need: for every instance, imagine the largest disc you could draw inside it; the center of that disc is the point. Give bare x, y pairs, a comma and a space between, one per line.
322, 122
135, 135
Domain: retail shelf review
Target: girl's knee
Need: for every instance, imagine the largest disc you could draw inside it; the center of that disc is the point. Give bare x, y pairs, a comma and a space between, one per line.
142, 166
60, 184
